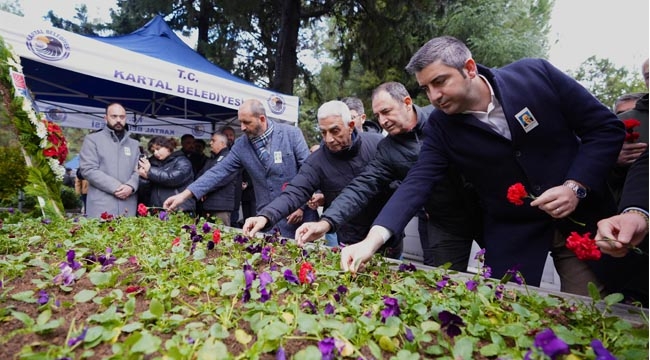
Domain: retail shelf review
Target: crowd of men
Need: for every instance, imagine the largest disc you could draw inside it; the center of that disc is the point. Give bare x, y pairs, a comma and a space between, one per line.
450, 164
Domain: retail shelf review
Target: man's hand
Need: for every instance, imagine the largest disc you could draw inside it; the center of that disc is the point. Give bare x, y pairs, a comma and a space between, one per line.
630, 152
559, 201
353, 256
627, 229
254, 224
295, 217
174, 201
318, 199
311, 231
123, 191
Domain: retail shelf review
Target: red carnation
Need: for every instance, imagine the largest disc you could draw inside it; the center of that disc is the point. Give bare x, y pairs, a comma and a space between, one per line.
142, 209
517, 193
583, 246
306, 273
631, 135
216, 236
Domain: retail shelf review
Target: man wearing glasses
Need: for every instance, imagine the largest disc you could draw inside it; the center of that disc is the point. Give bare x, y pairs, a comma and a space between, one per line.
108, 160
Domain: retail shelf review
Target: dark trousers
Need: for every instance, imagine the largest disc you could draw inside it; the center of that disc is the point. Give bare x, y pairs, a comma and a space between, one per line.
440, 247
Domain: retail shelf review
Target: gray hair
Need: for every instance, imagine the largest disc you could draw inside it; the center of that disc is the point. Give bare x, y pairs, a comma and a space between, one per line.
446, 49
354, 103
335, 108
256, 107
628, 97
395, 89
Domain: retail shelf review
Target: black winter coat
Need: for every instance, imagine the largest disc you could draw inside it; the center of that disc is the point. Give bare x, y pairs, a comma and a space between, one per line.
222, 198
170, 177
330, 172
453, 204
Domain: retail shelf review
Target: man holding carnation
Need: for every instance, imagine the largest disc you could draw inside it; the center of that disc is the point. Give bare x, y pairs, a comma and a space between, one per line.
562, 155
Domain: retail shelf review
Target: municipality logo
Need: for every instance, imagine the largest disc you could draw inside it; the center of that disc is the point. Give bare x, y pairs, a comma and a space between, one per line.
55, 114
48, 45
276, 104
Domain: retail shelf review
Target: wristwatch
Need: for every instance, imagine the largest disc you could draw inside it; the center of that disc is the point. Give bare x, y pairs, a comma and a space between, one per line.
580, 191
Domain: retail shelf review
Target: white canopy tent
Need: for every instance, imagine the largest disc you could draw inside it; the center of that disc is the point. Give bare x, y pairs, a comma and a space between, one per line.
166, 87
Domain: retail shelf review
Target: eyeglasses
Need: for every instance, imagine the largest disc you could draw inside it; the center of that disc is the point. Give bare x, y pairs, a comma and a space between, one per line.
114, 116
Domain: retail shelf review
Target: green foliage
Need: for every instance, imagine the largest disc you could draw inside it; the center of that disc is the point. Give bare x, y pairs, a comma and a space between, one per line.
607, 82
160, 290
12, 171
70, 199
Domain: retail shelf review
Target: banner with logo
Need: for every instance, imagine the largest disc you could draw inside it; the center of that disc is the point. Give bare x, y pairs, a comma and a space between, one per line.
68, 68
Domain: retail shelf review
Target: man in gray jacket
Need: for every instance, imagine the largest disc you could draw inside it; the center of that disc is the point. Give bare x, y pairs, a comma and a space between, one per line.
270, 152
108, 160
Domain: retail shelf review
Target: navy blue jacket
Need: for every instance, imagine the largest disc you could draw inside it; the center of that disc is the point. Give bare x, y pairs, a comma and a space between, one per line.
577, 138
170, 177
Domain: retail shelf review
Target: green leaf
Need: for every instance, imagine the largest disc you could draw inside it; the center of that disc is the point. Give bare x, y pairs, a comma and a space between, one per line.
375, 350
430, 326
24, 318
490, 350
242, 337
24, 296
512, 330
146, 344
44, 317
311, 352
593, 291
128, 328
275, 330
308, 324
386, 331
219, 331
85, 296
612, 299
464, 347
156, 308
213, 349
100, 279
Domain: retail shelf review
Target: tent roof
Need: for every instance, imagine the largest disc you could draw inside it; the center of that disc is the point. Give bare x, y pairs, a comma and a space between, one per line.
151, 71
157, 39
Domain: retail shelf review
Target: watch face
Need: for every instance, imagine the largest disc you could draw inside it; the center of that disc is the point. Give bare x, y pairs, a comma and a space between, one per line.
581, 193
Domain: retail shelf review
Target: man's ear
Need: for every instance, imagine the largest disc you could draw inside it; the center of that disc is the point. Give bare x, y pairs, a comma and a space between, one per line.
471, 68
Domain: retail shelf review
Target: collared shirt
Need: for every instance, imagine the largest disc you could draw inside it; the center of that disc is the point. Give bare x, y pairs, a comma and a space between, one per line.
494, 116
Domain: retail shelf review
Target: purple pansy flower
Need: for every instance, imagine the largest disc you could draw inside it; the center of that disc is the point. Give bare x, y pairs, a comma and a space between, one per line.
266, 253
265, 278
498, 293
75, 340
391, 308
326, 347
601, 352
407, 267
451, 323
43, 297
290, 277
66, 276
471, 285
442, 283
163, 216
265, 295
408, 334
550, 344
71, 262
308, 306
280, 355
514, 274
486, 272
206, 227
241, 239
329, 309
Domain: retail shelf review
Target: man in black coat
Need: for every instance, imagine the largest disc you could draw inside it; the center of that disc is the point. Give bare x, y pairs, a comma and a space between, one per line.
621, 269
221, 202
344, 154
452, 208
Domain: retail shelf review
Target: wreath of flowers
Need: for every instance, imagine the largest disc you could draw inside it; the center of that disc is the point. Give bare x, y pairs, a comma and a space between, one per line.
43, 144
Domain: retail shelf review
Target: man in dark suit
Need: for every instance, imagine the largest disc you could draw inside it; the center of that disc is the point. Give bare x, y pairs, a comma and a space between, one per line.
624, 270
562, 155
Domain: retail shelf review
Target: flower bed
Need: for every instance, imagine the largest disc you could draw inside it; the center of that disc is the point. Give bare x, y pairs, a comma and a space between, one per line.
161, 287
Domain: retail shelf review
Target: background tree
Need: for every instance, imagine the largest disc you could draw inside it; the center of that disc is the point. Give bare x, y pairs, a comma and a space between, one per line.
606, 81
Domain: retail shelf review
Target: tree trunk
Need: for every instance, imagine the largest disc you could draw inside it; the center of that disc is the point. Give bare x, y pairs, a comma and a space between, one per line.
287, 59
